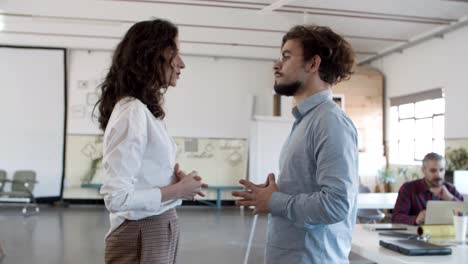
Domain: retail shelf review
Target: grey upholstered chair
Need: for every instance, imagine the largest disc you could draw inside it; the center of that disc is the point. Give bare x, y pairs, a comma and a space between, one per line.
368, 215
22, 186
2, 180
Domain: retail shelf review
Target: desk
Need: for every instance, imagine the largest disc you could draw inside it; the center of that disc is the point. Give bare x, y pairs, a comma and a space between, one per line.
366, 244
218, 190
376, 200
96, 186
15, 200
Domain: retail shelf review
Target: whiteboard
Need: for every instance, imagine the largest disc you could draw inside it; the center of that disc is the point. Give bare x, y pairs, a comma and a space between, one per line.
32, 115
267, 136
220, 161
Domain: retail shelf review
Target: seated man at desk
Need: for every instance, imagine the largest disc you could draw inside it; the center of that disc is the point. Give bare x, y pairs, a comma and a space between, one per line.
410, 207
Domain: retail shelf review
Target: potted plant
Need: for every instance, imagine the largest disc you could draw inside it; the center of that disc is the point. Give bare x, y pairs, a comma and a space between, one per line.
457, 159
387, 176
405, 173
93, 151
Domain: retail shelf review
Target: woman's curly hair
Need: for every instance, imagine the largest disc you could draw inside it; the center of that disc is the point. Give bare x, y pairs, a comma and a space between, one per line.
138, 68
336, 54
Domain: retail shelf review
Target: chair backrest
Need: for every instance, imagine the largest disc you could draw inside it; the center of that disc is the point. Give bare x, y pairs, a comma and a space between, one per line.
20, 177
2, 179
363, 189
368, 215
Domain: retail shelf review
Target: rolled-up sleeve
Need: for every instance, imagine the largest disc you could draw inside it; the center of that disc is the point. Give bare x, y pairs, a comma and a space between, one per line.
333, 145
124, 147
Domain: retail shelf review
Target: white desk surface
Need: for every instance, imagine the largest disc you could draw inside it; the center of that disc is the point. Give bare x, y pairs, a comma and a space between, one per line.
376, 200
366, 244
14, 200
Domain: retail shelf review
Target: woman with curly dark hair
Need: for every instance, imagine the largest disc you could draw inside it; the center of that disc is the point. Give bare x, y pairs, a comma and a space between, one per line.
142, 184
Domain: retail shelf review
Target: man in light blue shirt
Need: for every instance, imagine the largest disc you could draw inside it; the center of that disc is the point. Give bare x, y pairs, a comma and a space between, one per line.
313, 205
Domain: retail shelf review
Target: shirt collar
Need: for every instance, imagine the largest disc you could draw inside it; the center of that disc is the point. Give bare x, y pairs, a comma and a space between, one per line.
422, 185
311, 102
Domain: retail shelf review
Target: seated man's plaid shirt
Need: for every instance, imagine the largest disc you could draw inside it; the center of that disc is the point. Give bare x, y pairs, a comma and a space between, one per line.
412, 199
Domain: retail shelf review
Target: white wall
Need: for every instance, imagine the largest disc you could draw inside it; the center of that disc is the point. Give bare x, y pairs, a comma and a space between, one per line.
212, 99
439, 63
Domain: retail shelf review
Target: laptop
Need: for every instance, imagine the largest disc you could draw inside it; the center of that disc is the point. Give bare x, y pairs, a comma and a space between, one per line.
440, 212
415, 247
398, 234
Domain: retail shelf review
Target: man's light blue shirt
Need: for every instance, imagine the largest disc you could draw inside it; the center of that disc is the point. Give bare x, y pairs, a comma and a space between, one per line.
313, 214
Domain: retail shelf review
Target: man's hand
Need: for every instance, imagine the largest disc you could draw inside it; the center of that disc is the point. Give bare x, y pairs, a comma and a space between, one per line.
421, 217
257, 195
179, 175
442, 192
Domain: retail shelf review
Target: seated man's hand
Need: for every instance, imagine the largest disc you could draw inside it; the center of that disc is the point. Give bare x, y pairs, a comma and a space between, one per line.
257, 195
421, 217
442, 192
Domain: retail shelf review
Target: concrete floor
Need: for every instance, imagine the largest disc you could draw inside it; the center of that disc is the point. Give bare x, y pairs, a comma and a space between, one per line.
76, 235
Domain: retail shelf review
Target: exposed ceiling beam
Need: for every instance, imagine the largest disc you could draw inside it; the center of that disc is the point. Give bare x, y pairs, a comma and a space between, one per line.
181, 41
370, 17
276, 5
377, 14
436, 34
334, 10
186, 4
353, 14
463, 1
376, 38
183, 53
122, 21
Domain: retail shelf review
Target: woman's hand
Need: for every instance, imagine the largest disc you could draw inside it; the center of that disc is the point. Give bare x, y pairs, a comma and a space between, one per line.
180, 175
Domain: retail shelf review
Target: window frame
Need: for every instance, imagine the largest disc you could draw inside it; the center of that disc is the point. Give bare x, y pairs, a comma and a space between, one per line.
395, 136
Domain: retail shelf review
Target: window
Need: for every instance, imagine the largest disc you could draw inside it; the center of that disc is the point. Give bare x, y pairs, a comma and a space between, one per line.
416, 126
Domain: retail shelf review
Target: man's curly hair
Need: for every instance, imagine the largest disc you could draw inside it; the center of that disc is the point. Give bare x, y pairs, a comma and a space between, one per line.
337, 56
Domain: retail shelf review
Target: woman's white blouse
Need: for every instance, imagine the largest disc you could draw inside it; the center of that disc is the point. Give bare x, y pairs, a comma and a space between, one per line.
138, 159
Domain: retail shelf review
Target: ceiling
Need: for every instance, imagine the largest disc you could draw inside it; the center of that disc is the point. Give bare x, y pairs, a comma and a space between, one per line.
239, 28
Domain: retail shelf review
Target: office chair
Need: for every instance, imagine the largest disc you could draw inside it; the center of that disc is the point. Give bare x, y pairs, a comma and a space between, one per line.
23, 186
365, 216
2, 180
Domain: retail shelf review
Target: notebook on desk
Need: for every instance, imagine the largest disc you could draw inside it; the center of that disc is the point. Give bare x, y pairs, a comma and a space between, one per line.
384, 227
415, 247
398, 234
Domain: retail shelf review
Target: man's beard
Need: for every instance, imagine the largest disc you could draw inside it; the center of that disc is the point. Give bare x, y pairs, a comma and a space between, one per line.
436, 182
289, 89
